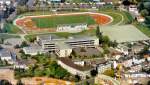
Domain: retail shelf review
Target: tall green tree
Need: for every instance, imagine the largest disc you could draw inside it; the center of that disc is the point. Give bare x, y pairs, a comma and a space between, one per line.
144, 13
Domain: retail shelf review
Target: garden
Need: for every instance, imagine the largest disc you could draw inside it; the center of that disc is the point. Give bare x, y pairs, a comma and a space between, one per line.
44, 66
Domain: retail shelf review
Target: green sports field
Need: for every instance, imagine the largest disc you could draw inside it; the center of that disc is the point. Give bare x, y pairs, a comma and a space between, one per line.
54, 21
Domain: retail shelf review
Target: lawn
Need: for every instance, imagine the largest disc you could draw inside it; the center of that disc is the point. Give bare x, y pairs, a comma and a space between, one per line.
10, 28
127, 17
142, 28
117, 15
53, 21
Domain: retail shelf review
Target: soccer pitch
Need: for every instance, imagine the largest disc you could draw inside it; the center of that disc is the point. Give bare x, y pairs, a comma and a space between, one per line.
54, 21
123, 33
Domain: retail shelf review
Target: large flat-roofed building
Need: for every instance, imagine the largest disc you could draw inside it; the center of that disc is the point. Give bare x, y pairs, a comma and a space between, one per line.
48, 42
62, 46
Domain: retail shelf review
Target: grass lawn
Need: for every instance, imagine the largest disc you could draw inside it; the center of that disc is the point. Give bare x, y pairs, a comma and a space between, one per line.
34, 13
50, 22
142, 28
117, 15
127, 17
10, 28
116, 18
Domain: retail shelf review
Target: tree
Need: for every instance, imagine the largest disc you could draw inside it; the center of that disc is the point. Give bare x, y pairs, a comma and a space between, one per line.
74, 53
1, 40
86, 83
106, 51
94, 73
113, 44
99, 34
126, 2
105, 40
77, 78
19, 82
24, 44
17, 46
145, 49
147, 21
97, 31
148, 83
135, 1
5, 82
32, 39
144, 13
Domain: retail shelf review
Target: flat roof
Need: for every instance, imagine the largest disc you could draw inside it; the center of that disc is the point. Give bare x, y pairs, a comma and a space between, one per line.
33, 48
61, 42
80, 38
49, 37
5, 53
62, 45
123, 33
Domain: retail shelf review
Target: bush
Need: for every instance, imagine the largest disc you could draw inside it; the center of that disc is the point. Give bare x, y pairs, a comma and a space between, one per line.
109, 72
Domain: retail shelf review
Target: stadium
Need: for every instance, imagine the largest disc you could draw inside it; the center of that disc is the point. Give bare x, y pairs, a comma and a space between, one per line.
70, 22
